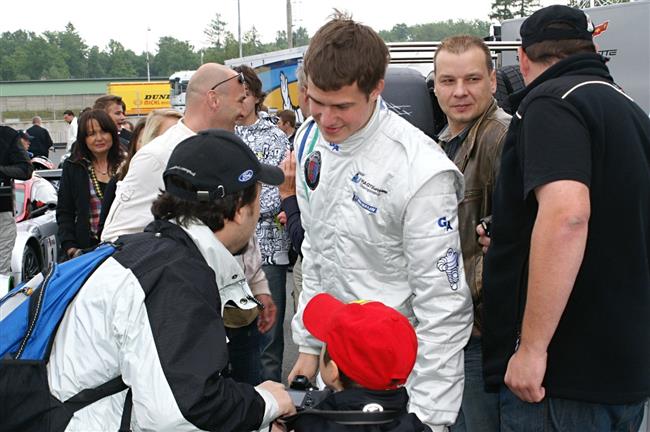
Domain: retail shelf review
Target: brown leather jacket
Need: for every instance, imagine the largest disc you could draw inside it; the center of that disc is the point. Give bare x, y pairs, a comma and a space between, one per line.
478, 159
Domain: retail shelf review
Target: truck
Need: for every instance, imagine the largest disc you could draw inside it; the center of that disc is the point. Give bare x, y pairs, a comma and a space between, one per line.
622, 34
178, 88
141, 97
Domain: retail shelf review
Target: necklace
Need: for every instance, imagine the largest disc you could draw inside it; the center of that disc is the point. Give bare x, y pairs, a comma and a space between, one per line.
93, 178
99, 171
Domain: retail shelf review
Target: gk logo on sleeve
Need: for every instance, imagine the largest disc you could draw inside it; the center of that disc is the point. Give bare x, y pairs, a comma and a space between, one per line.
444, 223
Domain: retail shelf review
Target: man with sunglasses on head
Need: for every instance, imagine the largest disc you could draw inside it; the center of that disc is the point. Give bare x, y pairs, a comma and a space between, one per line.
215, 96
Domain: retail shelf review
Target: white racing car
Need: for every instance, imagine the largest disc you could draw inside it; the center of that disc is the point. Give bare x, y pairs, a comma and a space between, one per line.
36, 244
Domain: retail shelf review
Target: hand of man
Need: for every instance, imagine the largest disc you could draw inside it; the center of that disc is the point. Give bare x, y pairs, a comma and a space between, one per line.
288, 166
282, 218
278, 392
307, 365
483, 238
266, 318
525, 374
72, 252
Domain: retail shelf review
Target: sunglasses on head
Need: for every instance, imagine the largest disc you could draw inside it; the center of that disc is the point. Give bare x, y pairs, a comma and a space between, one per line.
239, 76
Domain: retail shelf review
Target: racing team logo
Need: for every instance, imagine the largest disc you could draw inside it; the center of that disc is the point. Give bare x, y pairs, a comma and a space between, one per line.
312, 170
600, 28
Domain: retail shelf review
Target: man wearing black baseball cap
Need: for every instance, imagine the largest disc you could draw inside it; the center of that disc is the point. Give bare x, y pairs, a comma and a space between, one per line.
155, 306
567, 274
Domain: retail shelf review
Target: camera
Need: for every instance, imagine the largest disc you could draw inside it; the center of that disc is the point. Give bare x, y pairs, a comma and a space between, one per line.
304, 394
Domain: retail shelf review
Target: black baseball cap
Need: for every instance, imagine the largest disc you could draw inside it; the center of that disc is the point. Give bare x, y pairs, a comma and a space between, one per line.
216, 163
23, 134
8, 134
539, 26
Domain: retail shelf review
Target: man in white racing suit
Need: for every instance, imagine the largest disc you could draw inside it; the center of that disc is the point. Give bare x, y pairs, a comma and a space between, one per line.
379, 202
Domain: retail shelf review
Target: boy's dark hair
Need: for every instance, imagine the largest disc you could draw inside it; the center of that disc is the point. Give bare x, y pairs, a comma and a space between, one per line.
68, 112
288, 116
551, 51
346, 381
343, 52
104, 102
254, 85
211, 213
82, 151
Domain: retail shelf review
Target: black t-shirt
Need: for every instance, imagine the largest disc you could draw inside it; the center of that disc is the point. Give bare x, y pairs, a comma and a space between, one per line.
601, 349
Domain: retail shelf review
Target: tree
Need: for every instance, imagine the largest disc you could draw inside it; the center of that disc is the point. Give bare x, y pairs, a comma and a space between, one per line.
97, 63
174, 55
216, 31
300, 37
73, 50
399, 33
508, 9
251, 42
281, 40
501, 10
119, 61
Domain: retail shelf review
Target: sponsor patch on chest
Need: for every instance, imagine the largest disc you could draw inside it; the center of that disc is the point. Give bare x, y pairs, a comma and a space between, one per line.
359, 179
364, 205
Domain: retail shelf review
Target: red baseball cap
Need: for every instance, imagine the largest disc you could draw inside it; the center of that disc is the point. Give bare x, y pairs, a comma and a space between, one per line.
373, 344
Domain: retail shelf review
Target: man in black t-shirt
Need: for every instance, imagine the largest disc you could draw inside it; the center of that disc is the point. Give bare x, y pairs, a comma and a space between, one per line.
566, 335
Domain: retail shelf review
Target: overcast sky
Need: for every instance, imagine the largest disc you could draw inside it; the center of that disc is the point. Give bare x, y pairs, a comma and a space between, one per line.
127, 22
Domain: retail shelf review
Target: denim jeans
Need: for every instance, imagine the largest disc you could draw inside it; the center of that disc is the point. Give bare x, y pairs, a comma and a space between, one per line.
244, 354
7, 240
479, 411
563, 415
272, 342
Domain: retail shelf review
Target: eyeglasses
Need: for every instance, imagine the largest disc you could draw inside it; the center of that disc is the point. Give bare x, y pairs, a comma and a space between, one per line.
239, 76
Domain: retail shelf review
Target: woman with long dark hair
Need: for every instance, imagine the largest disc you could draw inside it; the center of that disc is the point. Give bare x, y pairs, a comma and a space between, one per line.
86, 173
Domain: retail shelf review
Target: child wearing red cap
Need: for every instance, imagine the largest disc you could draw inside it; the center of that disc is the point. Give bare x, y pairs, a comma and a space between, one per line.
368, 353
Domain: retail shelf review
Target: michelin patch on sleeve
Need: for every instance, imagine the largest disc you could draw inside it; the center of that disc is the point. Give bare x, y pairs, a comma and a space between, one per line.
449, 264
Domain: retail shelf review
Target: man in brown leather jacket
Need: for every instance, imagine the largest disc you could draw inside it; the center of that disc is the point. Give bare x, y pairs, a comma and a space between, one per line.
464, 83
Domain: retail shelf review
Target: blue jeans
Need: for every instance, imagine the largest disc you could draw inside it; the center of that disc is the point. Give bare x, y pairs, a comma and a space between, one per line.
479, 411
244, 354
563, 415
272, 342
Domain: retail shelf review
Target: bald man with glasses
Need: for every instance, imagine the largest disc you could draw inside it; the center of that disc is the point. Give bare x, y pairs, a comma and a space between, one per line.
208, 105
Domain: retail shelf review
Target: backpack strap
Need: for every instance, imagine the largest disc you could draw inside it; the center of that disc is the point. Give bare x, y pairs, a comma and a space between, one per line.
347, 417
89, 396
125, 424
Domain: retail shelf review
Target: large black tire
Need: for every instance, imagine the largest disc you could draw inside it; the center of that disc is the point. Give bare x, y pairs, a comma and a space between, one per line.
406, 94
509, 81
31, 263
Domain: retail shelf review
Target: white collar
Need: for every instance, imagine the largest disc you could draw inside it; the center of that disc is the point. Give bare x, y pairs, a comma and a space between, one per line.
360, 137
229, 275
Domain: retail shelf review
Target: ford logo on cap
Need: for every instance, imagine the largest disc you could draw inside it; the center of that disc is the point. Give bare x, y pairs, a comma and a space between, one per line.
245, 176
